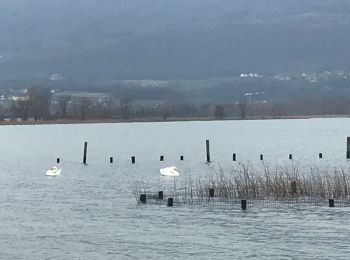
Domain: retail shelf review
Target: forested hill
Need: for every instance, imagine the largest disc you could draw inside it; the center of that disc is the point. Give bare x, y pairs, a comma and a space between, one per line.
99, 40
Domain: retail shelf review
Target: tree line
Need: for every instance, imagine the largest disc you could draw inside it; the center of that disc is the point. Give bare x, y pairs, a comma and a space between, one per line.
39, 104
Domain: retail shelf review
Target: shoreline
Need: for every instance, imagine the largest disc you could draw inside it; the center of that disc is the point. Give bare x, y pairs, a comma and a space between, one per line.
159, 120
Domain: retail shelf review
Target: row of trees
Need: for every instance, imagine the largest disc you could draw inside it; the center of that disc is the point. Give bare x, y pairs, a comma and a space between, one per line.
285, 108
39, 104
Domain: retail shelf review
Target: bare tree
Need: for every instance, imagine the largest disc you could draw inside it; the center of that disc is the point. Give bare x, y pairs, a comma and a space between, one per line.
165, 112
125, 108
243, 107
39, 101
21, 108
84, 107
63, 102
219, 112
2, 112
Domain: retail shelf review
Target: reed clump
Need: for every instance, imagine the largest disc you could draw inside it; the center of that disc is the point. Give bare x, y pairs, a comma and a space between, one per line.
280, 183
264, 183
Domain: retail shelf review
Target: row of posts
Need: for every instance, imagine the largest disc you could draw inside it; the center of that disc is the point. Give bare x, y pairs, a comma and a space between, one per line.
207, 145
133, 159
320, 155
170, 202
111, 159
234, 156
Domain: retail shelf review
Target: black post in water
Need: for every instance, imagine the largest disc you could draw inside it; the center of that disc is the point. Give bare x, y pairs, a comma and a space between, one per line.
208, 150
58, 160
234, 157
110, 159
290, 157
348, 148
160, 195
261, 157
320, 155
181, 158
85, 152
161, 158
331, 203
170, 202
211, 193
143, 199
243, 204
133, 160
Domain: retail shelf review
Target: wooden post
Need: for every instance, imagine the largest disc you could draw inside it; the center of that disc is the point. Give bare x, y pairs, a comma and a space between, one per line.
261, 157
181, 158
293, 187
290, 157
58, 160
331, 203
161, 158
320, 155
110, 159
348, 148
234, 157
208, 150
85, 152
143, 199
160, 195
243, 204
170, 202
133, 160
211, 192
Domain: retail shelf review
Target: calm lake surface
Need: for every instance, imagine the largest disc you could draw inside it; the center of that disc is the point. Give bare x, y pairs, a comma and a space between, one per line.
89, 212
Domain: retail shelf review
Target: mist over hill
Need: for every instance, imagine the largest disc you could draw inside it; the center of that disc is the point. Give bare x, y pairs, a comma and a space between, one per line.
91, 41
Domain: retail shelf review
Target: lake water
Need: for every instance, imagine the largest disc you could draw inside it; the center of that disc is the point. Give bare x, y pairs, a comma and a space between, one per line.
89, 212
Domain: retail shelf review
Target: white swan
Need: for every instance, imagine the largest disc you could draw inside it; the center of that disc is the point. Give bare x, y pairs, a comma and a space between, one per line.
54, 171
169, 171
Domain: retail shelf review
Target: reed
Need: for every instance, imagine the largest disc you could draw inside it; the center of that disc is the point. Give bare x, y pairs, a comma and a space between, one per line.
264, 183
282, 182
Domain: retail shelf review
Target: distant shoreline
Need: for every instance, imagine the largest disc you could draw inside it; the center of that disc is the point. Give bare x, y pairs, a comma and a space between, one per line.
159, 120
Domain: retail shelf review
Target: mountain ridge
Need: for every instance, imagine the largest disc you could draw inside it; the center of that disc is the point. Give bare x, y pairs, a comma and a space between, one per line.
93, 41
